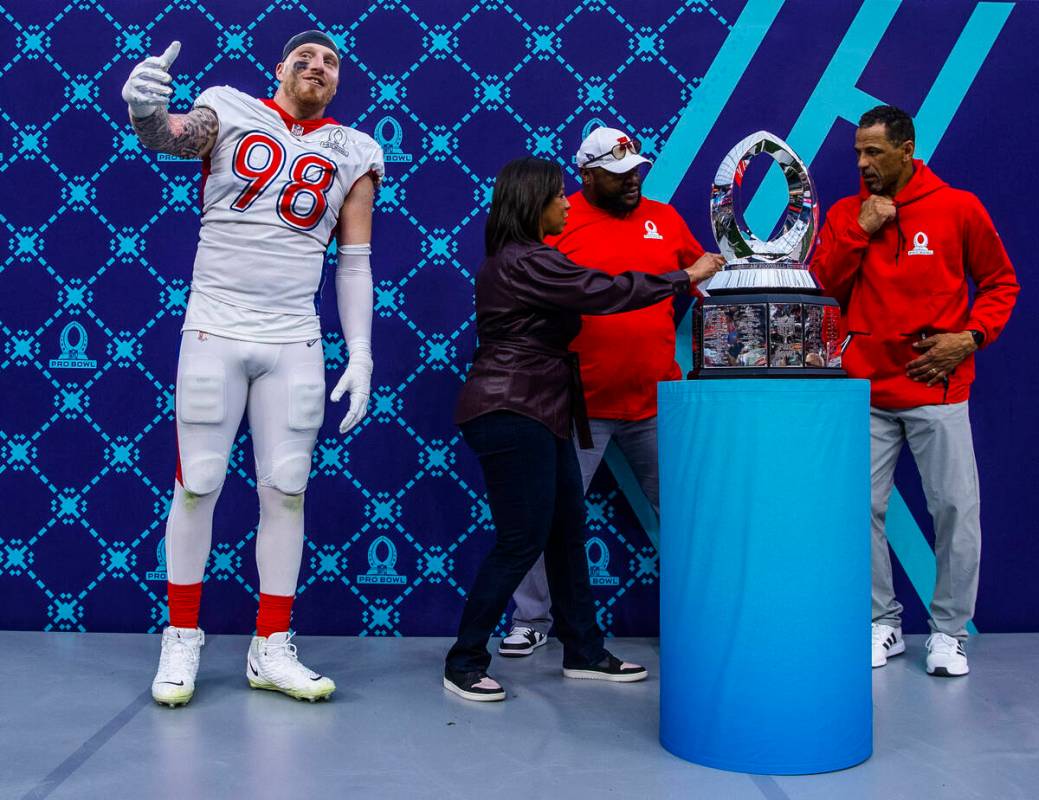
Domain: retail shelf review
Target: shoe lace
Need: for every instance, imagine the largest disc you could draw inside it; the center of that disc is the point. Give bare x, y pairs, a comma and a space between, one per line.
941, 643
284, 660
178, 651
284, 649
521, 630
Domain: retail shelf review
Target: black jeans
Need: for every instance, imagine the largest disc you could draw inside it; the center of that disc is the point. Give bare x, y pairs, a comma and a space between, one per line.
537, 503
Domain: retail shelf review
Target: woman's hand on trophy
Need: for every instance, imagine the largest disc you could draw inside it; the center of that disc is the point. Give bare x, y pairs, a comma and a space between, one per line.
705, 266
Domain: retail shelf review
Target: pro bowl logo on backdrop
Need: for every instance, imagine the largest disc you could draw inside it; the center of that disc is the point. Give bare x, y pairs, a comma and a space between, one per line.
73, 341
159, 573
381, 569
586, 131
391, 142
598, 575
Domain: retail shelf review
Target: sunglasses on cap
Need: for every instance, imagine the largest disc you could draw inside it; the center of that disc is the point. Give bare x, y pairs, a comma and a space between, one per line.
618, 150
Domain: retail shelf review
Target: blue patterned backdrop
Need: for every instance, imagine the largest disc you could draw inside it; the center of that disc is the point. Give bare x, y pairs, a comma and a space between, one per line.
100, 238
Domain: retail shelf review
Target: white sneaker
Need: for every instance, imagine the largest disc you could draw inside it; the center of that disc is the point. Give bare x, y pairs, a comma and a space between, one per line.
887, 642
174, 682
521, 641
272, 664
945, 656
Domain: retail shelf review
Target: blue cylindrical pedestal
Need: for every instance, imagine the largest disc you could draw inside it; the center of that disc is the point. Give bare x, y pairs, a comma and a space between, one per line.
765, 574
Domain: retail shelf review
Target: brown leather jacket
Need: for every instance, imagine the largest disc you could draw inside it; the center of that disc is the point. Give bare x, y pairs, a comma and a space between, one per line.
529, 302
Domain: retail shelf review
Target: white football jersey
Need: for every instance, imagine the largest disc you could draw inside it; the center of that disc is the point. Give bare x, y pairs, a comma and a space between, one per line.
271, 201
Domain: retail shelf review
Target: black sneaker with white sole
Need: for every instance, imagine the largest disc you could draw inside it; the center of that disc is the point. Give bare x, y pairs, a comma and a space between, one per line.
521, 641
478, 686
609, 669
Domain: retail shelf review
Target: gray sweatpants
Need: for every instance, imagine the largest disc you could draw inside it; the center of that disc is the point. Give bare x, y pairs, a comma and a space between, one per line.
939, 438
638, 442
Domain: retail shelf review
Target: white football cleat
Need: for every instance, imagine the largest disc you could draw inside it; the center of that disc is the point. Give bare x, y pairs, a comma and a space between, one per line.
272, 664
887, 642
174, 682
945, 656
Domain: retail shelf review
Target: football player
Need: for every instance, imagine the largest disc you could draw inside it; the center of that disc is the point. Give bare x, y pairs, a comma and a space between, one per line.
280, 179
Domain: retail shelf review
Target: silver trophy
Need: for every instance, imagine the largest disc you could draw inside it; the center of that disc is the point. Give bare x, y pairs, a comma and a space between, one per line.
765, 315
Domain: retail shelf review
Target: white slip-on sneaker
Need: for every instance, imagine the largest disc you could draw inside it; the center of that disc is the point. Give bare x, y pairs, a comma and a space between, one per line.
887, 642
174, 682
521, 641
273, 664
945, 656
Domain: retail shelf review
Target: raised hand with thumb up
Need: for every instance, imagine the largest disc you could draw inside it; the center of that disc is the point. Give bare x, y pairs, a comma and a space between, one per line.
148, 87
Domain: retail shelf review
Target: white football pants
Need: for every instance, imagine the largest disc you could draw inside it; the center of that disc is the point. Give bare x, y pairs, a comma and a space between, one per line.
282, 389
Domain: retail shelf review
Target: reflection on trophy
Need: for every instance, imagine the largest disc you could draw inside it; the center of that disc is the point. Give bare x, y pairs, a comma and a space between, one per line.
765, 315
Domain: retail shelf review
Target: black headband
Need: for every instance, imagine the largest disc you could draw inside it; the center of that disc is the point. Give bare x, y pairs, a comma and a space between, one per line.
309, 37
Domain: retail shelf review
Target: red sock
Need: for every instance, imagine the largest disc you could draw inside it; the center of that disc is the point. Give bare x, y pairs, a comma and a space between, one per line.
184, 600
274, 614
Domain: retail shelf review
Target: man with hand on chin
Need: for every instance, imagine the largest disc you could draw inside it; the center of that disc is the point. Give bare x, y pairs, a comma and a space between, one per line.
281, 179
897, 256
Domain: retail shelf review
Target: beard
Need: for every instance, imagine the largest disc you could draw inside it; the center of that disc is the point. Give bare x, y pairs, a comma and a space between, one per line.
309, 96
619, 205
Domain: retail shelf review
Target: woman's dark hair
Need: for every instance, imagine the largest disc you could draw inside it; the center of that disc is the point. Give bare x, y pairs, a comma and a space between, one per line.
521, 191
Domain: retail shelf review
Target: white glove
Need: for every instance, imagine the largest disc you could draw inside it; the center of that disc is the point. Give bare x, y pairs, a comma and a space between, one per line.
148, 87
357, 381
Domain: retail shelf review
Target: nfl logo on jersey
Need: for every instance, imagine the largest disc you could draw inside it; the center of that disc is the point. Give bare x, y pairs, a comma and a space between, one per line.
297, 130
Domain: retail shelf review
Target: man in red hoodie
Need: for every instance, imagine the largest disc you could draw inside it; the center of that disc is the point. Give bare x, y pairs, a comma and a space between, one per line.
897, 256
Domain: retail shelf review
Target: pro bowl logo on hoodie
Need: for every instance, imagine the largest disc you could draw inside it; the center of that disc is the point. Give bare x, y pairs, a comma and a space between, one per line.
920, 245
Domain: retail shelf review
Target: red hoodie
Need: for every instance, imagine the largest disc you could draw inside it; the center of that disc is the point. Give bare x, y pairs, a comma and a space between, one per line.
909, 279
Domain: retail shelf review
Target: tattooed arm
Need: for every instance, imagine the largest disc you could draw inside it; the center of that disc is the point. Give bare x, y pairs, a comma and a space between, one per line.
147, 94
190, 135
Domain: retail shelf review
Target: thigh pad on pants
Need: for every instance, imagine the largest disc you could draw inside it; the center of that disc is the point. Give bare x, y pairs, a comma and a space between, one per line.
289, 462
203, 446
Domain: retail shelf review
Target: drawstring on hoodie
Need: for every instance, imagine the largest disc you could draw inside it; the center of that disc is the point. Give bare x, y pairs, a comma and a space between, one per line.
901, 237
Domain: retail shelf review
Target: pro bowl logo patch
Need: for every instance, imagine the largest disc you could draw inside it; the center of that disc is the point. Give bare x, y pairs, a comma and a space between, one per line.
336, 141
920, 245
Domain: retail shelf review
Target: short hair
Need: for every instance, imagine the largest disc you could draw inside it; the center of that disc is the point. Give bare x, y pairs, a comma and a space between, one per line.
898, 125
522, 190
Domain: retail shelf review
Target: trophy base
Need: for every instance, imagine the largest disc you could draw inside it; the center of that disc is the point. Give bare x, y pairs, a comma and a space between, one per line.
767, 335
706, 373
785, 277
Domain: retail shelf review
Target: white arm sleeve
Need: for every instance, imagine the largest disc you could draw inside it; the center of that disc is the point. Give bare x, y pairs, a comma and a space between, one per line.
354, 298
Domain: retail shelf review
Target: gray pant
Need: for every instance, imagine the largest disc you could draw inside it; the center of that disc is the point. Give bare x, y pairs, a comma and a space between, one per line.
940, 439
638, 442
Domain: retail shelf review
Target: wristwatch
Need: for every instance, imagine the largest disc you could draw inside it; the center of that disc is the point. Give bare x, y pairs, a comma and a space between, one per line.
978, 336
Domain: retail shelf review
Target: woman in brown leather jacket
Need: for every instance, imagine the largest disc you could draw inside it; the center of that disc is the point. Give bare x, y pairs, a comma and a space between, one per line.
520, 402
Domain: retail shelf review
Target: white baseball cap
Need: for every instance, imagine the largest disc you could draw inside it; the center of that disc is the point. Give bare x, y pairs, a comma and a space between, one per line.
601, 147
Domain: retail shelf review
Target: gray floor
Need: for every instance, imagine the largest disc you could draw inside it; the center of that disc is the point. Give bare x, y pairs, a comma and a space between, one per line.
77, 721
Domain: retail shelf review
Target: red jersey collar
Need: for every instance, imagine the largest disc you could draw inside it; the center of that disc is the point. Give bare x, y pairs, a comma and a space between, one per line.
308, 125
